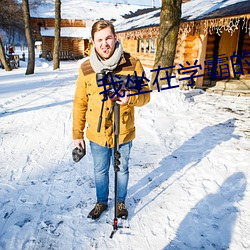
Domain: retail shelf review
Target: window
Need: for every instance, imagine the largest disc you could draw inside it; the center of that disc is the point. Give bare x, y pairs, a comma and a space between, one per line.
146, 45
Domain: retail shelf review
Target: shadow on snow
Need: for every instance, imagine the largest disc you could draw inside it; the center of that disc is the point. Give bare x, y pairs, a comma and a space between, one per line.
22, 110
209, 225
190, 153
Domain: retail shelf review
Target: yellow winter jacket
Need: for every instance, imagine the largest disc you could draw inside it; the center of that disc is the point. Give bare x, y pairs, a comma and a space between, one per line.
88, 101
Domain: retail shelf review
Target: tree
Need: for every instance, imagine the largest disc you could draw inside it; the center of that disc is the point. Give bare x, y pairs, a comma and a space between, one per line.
11, 18
28, 33
10, 24
56, 59
3, 57
168, 34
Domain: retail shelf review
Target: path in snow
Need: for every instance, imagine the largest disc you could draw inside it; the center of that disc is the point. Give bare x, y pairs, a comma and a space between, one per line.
188, 176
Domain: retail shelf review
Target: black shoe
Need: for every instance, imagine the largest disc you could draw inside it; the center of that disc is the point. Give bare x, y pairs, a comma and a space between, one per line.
122, 211
97, 210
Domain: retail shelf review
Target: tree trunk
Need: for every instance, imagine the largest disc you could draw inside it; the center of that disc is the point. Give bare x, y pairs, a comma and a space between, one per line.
56, 59
3, 57
28, 33
168, 34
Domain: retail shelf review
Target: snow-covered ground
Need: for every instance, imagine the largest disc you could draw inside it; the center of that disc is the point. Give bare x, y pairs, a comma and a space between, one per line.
189, 170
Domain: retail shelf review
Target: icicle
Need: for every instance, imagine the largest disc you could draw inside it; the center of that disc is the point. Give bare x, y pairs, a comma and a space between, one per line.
248, 28
205, 28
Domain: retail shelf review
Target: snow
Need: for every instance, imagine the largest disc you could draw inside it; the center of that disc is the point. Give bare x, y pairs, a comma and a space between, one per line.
156, 3
84, 33
145, 20
192, 10
189, 169
196, 9
85, 10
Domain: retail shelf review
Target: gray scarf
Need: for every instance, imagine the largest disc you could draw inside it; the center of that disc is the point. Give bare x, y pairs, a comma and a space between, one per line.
110, 64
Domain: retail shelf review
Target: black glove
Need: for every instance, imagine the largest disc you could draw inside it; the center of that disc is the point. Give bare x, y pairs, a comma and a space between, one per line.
78, 153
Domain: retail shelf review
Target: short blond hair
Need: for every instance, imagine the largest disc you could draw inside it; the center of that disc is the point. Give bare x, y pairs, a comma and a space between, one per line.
100, 25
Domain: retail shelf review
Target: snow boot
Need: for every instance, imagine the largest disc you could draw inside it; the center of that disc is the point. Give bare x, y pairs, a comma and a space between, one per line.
97, 210
122, 211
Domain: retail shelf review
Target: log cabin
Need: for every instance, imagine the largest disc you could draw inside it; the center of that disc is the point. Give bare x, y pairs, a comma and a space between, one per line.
77, 17
75, 36
208, 30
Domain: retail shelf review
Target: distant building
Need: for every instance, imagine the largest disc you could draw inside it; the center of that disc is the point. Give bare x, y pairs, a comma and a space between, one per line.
77, 19
74, 37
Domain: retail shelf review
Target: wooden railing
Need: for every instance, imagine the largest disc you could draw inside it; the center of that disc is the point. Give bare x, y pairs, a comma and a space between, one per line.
64, 55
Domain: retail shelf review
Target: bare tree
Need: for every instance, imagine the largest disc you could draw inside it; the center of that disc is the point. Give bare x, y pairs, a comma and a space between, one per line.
3, 57
11, 16
56, 59
28, 33
168, 34
11, 23
36, 3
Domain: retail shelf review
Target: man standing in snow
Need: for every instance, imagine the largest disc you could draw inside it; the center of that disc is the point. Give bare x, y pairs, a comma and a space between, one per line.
107, 55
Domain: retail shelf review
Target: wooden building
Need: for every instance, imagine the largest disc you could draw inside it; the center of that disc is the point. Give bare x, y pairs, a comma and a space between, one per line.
75, 36
77, 19
211, 37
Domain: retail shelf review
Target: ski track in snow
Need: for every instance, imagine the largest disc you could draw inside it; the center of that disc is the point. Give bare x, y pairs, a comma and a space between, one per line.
188, 176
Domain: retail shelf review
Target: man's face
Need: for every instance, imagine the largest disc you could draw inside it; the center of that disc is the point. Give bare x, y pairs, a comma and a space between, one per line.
104, 42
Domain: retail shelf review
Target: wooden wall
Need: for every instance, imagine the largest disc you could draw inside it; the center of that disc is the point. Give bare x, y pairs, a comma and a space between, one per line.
47, 45
246, 46
209, 53
197, 44
190, 50
226, 44
146, 59
73, 45
179, 55
186, 50
131, 46
50, 22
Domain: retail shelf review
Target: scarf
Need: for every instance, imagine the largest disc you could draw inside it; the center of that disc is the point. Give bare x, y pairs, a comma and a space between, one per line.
99, 65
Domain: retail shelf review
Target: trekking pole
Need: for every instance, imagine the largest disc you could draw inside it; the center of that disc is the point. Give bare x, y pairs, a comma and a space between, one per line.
100, 119
117, 156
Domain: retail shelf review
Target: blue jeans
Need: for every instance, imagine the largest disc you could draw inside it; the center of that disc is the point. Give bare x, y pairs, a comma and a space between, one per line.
102, 158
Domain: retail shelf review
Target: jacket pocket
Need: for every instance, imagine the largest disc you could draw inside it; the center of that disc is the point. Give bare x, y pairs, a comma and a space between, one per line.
127, 121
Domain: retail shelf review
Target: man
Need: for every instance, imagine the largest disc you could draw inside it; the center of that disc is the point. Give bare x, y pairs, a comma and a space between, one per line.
11, 50
107, 55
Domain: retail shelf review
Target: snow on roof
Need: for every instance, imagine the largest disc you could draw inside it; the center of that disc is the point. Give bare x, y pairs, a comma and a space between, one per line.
85, 10
146, 20
200, 9
192, 10
80, 32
